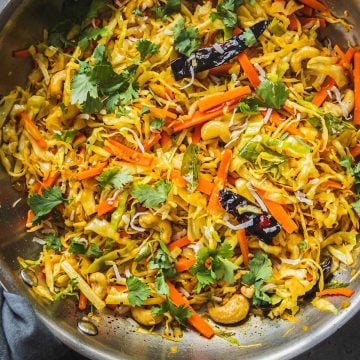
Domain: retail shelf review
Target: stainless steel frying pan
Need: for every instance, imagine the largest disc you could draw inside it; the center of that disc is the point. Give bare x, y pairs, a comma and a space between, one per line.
22, 23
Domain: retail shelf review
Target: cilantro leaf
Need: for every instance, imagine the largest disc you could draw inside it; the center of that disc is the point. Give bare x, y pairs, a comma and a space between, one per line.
114, 178
186, 40
77, 246
157, 124
94, 251
274, 95
356, 206
220, 268
260, 270
249, 37
138, 291
42, 205
53, 242
161, 286
171, 6
163, 261
151, 196
144, 110
145, 48
353, 171
179, 313
226, 12
67, 136
92, 34
190, 167
248, 106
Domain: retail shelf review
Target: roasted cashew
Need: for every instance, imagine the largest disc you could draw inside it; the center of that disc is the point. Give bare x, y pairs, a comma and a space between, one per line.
327, 66
56, 84
213, 129
307, 52
98, 283
235, 310
150, 221
144, 316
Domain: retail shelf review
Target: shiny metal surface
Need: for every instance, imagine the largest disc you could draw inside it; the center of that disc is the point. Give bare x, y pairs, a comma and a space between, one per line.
117, 338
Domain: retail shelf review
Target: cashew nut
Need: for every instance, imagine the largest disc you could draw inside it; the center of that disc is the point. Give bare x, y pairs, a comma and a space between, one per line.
98, 283
327, 66
348, 104
145, 316
214, 129
235, 310
150, 221
307, 52
56, 84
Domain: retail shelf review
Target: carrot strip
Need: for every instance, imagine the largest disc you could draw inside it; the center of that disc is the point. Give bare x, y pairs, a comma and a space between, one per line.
275, 118
162, 113
205, 186
349, 55
241, 236
180, 243
237, 31
306, 20
30, 216
51, 179
199, 118
317, 5
82, 301
221, 69
355, 151
339, 51
125, 153
231, 180
357, 88
196, 136
321, 96
33, 130
104, 207
79, 139
21, 53
279, 213
153, 139
195, 319
184, 264
307, 11
332, 184
293, 25
224, 166
214, 207
178, 179
339, 291
165, 140
90, 173
211, 101
249, 70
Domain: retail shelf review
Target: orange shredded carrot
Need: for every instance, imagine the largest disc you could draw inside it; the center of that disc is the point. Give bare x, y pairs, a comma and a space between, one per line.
153, 139
177, 178
127, 154
51, 179
279, 213
214, 207
82, 301
316, 5
104, 207
92, 172
162, 113
180, 243
33, 130
79, 139
241, 236
307, 11
313, 20
196, 136
221, 69
275, 118
199, 118
332, 184
211, 101
165, 140
237, 31
30, 216
355, 151
357, 88
321, 95
21, 53
195, 319
349, 55
231, 180
294, 23
184, 264
337, 292
249, 70
224, 166
205, 186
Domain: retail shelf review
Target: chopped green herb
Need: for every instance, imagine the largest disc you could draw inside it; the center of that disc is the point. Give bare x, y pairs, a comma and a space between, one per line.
249, 37
67, 136
53, 242
274, 95
114, 178
186, 40
94, 251
157, 124
190, 167
77, 246
179, 313
151, 196
138, 291
226, 11
145, 48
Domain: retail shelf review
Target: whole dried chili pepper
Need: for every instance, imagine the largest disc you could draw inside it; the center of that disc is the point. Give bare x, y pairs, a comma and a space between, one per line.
212, 56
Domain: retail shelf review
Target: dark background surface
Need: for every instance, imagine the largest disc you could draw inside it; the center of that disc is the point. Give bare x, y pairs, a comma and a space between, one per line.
343, 345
